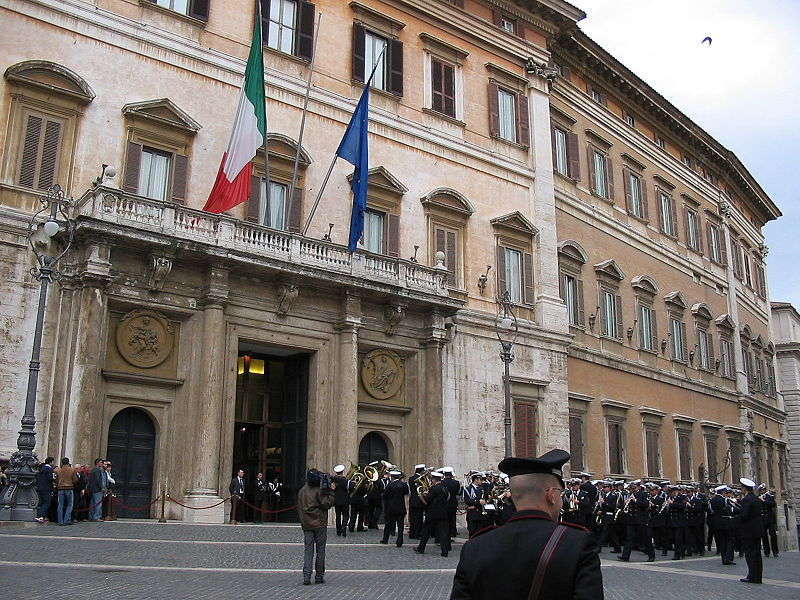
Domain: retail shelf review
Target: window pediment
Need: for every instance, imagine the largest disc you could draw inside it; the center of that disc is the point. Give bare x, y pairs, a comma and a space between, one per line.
598, 139
449, 200
611, 269
163, 112
676, 299
515, 221
702, 311
724, 321
645, 284
284, 147
758, 341
51, 77
376, 20
572, 249
746, 333
381, 178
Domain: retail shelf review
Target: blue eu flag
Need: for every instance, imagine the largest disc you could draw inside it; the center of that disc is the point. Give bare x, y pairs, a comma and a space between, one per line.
354, 148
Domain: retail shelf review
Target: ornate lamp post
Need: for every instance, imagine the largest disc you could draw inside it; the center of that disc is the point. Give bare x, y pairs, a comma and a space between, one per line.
506, 328
19, 499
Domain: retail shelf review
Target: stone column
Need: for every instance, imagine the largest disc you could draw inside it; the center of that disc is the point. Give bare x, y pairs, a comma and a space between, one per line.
344, 409
205, 484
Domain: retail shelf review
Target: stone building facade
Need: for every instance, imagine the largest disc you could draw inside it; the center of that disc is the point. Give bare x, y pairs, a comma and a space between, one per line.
186, 344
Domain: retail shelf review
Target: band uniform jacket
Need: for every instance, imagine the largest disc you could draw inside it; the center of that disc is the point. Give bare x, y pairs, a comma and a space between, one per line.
414, 499
677, 511
608, 507
473, 495
340, 494
658, 515
750, 524
722, 517
769, 513
500, 563
696, 510
638, 509
454, 488
437, 500
394, 498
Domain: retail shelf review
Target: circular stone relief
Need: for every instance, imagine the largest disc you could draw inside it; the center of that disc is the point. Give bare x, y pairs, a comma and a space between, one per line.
144, 338
382, 374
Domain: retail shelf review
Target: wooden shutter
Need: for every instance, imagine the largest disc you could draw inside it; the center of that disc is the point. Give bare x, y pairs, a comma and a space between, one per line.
723, 248
576, 442
265, 12
651, 446
654, 330
699, 228
525, 429
736, 257
393, 235
180, 175
296, 211
579, 300
451, 255
199, 9
501, 270
710, 340
449, 90
48, 166
573, 161
592, 172
614, 448
685, 450
686, 227
30, 150
359, 53
437, 85
643, 192
685, 356
553, 147
618, 313
494, 109
674, 209
609, 178
305, 31
529, 294
253, 208
523, 120
133, 160
396, 67
626, 185
605, 328
710, 242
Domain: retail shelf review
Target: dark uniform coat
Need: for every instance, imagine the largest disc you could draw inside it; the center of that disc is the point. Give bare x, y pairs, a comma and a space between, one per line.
394, 498
437, 499
750, 524
500, 563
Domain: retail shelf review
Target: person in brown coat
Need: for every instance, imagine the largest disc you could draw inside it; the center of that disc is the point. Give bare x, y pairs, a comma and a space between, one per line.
314, 500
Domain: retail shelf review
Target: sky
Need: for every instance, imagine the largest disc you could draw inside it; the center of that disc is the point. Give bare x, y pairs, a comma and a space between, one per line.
744, 89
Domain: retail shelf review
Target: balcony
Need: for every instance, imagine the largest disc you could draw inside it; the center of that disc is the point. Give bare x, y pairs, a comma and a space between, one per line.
127, 216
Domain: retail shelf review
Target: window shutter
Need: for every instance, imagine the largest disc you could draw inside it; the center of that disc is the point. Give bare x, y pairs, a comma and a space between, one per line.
520, 429
618, 313
626, 185
523, 120
686, 226
561, 285
601, 307
501, 270
437, 86
710, 242
710, 351
449, 88
576, 442
592, 173
133, 159
494, 109
609, 178
393, 235
573, 161
199, 9
723, 248
48, 166
180, 173
685, 356
529, 295
30, 150
396, 67
614, 463
699, 234
674, 216
253, 209
359, 53
579, 300
553, 147
643, 191
659, 200
654, 330
451, 257
296, 211
265, 12
305, 31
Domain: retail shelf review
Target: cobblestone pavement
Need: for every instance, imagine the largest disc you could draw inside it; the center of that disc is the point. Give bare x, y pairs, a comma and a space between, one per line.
145, 560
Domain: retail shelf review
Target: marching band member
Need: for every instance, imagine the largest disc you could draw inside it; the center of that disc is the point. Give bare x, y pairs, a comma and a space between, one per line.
416, 507
436, 516
475, 499
636, 509
341, 500
394, 507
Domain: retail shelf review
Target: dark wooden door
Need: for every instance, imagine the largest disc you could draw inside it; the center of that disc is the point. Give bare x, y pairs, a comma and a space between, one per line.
131, 447
294, 426
372, 447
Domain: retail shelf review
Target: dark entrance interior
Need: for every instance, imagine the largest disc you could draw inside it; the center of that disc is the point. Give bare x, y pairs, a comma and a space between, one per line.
372, 447
131, 447
270, 428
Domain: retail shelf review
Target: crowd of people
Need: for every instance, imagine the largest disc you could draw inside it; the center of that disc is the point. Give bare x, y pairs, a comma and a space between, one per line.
69, 493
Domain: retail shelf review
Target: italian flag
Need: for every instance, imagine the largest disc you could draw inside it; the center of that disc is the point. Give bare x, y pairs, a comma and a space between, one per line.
232, 185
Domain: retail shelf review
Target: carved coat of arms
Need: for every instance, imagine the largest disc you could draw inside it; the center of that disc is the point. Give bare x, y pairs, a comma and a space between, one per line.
382, 374
144, 338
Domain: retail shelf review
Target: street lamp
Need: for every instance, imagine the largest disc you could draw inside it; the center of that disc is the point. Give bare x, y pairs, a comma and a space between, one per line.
20, 499
506, 328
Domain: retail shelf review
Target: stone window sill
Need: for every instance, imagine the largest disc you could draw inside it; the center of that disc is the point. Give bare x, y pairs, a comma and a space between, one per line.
444, 117
510, 143
380, 92
172, 13
286, 55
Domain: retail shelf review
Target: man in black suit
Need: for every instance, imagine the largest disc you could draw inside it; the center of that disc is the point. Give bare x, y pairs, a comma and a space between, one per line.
341, 500
454, 489
532, 555
416, 507
769, 515
436, 517
394, 507
750, 530
237, 490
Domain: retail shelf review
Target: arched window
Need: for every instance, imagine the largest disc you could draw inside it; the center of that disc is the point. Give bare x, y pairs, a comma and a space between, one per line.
372, 447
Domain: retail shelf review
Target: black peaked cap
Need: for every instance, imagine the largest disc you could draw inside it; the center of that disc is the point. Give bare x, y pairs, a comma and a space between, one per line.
549, 463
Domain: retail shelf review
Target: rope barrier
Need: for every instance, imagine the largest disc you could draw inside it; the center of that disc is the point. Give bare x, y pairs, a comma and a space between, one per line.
265, 511
119, 502
171, 499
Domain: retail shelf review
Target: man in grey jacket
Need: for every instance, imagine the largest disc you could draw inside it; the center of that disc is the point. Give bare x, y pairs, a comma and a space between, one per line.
314, 500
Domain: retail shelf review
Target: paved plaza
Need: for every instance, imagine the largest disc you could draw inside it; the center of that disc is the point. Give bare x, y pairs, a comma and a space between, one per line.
146, 560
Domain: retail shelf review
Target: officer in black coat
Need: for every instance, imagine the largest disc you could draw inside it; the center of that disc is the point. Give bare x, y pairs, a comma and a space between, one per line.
454, 488
696, 515
358, 506
416, 507
637, 523
509, 562
658, 518
769, 516
341, 500
677, 519
394, 507
721, 519
375, 503
436, 516
587, 500
750, 530
612, 500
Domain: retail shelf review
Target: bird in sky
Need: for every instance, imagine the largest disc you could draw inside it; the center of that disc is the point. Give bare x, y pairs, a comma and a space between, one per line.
706, 39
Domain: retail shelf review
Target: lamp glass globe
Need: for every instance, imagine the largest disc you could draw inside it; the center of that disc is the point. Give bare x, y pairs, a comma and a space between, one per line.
51, 228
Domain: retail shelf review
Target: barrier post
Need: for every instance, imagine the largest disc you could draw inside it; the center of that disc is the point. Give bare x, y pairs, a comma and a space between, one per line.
162, 518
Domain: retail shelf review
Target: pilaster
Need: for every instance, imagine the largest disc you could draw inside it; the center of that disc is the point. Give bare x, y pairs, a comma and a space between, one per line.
344, 411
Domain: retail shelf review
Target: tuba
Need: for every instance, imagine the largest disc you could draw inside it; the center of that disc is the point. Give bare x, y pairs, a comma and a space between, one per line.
423, 483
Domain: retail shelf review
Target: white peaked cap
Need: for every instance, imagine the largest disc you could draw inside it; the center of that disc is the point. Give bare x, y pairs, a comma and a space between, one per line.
447, 469
419, 467
437, 474
747, 482
338, 469
395, 473
720, 488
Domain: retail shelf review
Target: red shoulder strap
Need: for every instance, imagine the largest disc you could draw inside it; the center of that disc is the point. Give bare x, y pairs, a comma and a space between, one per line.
544, 561
482, 531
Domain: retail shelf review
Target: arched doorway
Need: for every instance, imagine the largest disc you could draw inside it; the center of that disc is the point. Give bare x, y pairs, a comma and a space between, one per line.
372, 447
131, 447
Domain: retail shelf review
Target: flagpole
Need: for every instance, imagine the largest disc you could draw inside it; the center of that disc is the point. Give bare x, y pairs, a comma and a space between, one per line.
335, 156
303, 119
261, 206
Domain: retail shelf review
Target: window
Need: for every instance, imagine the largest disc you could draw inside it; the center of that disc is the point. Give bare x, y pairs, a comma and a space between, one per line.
443, 88
629, 119
446, 240
685, 454
515, 274
600, 174
715, 250
40, 150
773, 390
660, 142
572, 294
525, 428
761, 280
758, 467
736, 256
508, 119
705, 350
747, 360
677, 329
712, 469
687, 160
616, 447
154, 173
596, 95
693, 230
560, 163
375, 48
611, 313
746, 273
735, 448
758, 375
652, 448
726, 358
510, 25
274, 204
576, 459
384, 54
193, 8
374, 225
770, 469
282, 25
634, 195
648, 337
666, 211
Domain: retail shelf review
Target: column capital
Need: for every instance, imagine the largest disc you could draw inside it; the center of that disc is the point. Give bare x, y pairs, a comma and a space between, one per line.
215, 292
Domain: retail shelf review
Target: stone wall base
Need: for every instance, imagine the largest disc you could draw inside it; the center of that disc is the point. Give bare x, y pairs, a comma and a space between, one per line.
200, 499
